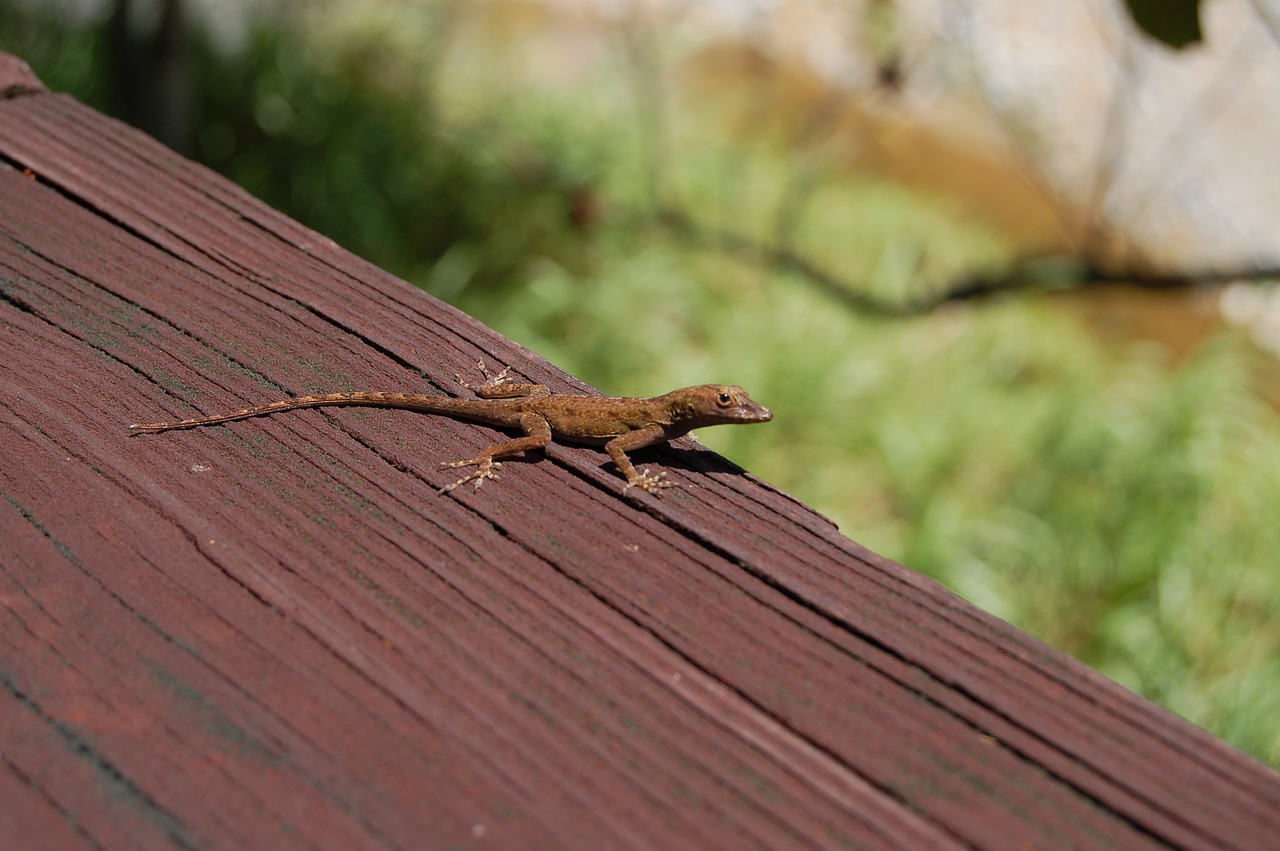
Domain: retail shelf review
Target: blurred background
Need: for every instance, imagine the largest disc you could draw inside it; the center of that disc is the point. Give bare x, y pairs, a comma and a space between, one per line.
1004, 269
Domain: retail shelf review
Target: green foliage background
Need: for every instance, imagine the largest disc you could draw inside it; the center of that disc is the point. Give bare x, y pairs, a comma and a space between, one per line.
1114, 503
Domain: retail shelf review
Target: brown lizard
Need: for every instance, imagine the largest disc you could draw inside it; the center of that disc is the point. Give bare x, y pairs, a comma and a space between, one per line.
621, 424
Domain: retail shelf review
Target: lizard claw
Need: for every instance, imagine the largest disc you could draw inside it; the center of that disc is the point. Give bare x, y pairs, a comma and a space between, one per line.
489, 380
486, 468
493, 380
651, 482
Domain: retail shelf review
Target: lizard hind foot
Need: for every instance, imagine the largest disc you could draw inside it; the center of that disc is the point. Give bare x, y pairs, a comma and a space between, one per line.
650, 482
486, 468
490, 381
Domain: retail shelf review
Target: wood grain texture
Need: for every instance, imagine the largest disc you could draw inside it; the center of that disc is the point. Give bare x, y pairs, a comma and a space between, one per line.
277, 634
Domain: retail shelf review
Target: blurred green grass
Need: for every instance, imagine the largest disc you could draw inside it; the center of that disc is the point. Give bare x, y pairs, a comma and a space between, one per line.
1116, 503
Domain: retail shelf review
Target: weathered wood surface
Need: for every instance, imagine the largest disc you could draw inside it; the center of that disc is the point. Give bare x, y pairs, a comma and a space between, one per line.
276, 634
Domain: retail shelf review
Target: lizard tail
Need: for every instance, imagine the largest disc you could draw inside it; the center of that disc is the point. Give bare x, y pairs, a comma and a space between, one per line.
372, 399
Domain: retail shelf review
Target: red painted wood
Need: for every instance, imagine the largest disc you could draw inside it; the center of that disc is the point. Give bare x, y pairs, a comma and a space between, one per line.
16, 77
276, 633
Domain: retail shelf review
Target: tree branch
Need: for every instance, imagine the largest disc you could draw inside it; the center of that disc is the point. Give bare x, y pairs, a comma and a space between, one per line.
1031, 274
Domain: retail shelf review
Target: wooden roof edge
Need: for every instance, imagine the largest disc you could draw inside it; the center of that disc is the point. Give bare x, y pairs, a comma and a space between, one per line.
17, 78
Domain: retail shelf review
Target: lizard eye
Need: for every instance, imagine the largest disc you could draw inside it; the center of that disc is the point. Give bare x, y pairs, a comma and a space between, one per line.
724, 400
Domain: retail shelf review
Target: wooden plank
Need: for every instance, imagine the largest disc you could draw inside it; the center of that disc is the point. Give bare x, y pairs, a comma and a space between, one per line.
16, 77
277, 634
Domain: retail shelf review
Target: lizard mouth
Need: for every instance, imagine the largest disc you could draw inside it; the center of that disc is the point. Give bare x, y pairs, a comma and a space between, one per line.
753, 414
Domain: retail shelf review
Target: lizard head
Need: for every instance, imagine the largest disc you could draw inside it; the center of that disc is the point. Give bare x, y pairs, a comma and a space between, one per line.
716, 404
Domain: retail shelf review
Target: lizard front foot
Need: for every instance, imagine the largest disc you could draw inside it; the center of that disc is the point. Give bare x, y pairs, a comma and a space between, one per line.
651, 482
486, 468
